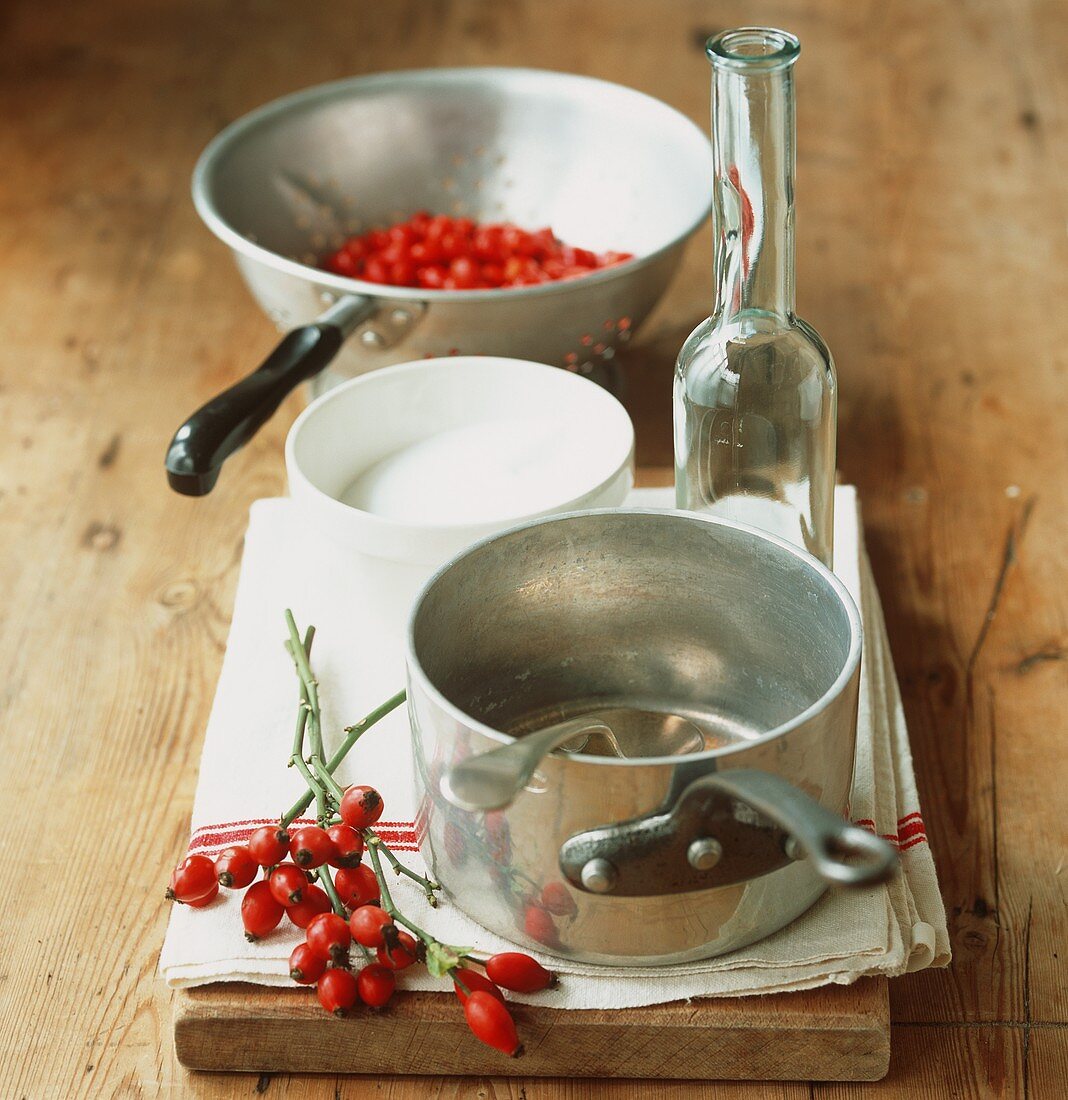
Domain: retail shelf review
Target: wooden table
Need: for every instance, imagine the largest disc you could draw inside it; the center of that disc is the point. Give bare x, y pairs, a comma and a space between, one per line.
932, 254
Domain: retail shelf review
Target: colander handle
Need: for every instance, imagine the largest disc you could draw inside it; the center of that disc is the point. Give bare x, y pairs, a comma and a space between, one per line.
227, 422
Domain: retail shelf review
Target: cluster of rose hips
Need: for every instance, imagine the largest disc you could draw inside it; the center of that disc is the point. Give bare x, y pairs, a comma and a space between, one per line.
442, 253
290, 862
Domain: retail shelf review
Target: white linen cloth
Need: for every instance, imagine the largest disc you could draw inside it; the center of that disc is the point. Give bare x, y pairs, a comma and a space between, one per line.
359, 608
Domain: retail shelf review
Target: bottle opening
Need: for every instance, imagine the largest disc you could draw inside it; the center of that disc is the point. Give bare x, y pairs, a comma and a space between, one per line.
753, 48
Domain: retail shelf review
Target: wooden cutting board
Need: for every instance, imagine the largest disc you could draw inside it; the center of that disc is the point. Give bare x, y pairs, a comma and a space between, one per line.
837, 1033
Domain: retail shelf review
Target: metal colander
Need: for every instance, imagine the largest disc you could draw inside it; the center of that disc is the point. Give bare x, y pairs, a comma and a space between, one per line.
605, 166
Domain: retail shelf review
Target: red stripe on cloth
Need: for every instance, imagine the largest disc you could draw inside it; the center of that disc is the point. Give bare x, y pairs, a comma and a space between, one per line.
908, 838
910, 832
215, 849
239, 836
258, 821
251, 821
406, 835
901, 821
397, 834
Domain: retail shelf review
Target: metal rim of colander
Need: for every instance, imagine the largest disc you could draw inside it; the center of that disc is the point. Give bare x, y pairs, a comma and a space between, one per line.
849, 665
221, 143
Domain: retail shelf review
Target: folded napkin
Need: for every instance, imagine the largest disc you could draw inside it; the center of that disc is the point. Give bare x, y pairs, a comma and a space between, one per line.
359, 608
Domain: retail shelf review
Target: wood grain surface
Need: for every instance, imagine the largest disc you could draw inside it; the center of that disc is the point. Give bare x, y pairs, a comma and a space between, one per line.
834, 1033
932, 197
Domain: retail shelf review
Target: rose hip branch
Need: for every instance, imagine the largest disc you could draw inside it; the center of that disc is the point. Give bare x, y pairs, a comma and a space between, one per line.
316, 877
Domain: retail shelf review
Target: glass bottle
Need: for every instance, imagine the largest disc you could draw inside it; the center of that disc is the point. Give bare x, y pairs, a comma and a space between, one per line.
755, 403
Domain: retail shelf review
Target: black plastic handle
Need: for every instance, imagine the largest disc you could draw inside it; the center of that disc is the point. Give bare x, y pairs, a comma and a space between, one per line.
229, 421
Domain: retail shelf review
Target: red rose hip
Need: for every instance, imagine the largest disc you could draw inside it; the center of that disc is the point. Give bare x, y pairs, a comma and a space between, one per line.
269, 845
260, 911
475, 982
206, 900
236, 867
328, 935
518, 972
305, 967
356, 886
337, 991
313, 901
361, 807
192, 879
367, 924
311, 846
348, 846
400, 954
491, 1022
376, 984
288, 883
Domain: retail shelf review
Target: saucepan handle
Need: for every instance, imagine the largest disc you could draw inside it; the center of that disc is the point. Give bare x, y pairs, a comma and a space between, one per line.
724, 828
228, 421
840, 851
490, 780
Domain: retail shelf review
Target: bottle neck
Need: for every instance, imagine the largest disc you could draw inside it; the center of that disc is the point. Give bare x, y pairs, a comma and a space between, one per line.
753, 203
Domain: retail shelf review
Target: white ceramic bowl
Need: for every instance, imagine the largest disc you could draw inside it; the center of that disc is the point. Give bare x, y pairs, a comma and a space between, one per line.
531, 440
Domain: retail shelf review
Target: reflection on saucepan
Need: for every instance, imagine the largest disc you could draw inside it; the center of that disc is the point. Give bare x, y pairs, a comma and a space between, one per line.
631, 719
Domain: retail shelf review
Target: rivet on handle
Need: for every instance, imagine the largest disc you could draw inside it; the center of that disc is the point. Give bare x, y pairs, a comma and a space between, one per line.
599, 876
704, 853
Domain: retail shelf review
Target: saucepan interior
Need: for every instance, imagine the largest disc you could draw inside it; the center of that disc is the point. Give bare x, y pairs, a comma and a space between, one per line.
637, 613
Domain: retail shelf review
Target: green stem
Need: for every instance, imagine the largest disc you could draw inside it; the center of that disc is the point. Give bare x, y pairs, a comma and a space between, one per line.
331, 890
387, 898
327, 780
302, 710
300, 656
335, 901
326, 791
354, 734
428, 885
296, 758
314, 786
362, 726
310, 698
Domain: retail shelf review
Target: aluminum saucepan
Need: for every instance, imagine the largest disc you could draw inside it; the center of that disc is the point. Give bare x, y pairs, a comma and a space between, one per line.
605, 166
634, 734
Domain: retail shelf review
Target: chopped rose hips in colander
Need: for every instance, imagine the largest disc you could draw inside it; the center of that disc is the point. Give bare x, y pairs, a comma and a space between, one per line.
442, 253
